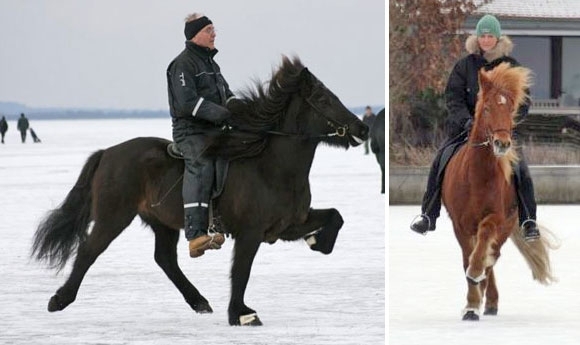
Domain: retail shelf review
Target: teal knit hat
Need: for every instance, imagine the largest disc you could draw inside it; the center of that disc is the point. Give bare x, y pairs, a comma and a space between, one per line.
488, 24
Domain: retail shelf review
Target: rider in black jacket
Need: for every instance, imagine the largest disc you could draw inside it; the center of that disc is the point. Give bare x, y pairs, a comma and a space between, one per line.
198, 94
486, 50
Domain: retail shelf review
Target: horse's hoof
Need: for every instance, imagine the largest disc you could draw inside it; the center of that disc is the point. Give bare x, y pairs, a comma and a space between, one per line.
470, 315
202, 307
490, 311
55, 304
250, 320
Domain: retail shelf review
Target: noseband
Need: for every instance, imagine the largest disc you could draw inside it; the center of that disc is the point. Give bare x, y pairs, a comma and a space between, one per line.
490, 137
340, 130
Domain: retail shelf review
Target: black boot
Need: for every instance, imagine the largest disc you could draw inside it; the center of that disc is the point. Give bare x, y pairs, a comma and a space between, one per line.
423, 224
531, 231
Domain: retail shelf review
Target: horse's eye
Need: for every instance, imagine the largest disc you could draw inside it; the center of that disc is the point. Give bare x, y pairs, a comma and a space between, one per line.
324, 101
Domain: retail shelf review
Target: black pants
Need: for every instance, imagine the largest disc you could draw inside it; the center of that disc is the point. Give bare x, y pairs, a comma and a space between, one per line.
23, 136
431, 205
198, 179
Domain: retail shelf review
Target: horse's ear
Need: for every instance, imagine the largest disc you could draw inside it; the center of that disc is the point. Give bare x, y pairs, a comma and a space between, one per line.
307, 80
305, 74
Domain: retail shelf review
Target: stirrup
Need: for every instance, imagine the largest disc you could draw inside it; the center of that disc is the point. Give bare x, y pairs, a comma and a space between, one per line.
534, 236
422, 215
211, 232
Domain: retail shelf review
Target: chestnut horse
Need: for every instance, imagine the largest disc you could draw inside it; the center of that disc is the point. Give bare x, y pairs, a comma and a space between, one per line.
479, 194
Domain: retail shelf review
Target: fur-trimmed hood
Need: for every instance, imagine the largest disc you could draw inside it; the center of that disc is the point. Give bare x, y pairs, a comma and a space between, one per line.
503, 47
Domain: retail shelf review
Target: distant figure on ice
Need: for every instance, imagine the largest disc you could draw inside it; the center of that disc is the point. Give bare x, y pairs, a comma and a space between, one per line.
23, 126
3, 127
368, 119
35, 138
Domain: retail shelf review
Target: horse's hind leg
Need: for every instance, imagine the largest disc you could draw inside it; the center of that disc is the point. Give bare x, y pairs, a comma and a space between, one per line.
102, 234
166, 257
491, 294
325, 224
245, 249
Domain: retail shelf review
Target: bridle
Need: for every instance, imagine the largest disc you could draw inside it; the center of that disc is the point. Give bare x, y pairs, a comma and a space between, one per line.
489, 137
340, 130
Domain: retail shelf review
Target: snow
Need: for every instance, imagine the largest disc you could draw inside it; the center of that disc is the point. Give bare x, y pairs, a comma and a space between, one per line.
427, 287
302, 297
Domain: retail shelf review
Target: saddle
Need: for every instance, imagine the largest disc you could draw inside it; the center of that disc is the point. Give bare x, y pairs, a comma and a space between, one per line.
221, 169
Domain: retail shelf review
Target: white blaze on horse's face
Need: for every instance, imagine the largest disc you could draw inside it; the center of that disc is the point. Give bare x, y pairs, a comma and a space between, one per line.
502, 139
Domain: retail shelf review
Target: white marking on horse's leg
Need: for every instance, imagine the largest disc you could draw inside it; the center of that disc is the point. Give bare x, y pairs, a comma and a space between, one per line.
489, 259
310, 240
247, 319
475, 279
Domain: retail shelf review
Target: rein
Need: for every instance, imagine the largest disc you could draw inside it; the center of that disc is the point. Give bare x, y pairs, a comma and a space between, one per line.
340, 130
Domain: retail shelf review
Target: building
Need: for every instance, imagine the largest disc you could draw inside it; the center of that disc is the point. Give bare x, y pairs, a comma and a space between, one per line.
546, 35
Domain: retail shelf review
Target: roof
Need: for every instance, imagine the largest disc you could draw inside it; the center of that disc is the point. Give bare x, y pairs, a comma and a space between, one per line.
554, 9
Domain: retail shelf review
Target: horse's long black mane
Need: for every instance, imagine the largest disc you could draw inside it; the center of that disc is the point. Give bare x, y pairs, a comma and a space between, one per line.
262, 110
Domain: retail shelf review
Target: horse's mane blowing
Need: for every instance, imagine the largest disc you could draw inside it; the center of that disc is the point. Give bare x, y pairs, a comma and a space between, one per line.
261, 111
513, 81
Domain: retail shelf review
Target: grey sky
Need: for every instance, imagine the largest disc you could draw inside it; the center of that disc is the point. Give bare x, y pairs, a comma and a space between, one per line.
114, 53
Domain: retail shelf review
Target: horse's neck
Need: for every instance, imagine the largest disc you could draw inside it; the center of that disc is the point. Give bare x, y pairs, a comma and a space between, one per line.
289, 155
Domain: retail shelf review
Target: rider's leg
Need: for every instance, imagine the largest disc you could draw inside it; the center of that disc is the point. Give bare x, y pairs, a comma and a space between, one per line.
526, 201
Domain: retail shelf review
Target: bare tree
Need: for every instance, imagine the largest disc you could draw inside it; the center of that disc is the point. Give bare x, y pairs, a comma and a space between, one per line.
425, 40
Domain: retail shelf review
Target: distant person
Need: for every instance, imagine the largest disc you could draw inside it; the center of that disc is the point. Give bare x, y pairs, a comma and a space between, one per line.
35, 138
23, 126
3, 127
198, 95
368, 119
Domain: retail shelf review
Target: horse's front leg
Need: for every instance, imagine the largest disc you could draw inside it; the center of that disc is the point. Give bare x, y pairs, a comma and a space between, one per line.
245, 248
319, 231
484, 254
471, 310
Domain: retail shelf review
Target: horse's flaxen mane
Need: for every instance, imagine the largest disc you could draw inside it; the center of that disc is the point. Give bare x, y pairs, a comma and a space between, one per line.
512, 81
262, 110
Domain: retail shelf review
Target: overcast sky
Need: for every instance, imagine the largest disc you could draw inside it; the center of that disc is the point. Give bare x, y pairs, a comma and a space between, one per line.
114, 53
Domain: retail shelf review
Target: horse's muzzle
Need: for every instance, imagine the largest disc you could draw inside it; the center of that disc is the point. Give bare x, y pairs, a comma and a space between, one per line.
501, 147
358, 134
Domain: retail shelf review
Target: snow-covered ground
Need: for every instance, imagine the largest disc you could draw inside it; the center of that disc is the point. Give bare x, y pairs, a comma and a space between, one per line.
427, 288
302, 297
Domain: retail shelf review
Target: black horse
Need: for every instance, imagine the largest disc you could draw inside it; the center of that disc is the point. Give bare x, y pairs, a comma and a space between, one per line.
378, 143
266, 195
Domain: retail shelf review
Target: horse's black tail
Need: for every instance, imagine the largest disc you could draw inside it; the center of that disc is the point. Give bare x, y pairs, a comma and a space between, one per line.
61, 231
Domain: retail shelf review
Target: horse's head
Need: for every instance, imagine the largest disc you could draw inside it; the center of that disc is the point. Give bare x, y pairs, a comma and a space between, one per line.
501, 92
320, 113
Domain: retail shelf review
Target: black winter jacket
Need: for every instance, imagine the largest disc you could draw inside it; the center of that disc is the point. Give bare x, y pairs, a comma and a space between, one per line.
197, 90
462, 86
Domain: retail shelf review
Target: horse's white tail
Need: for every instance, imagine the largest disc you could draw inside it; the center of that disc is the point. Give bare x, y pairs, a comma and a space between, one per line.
536, 253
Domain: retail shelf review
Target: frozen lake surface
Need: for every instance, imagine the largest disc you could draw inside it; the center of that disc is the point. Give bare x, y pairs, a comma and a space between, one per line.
427, 287
303, 297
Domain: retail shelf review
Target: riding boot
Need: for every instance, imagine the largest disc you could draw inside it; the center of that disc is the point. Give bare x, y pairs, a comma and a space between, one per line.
526, 201
196, 231
431, 205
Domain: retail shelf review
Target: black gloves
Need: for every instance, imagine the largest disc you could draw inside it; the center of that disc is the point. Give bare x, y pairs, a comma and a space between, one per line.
235, 105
